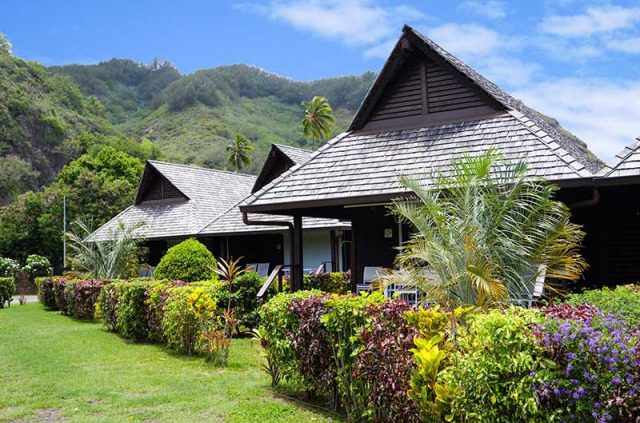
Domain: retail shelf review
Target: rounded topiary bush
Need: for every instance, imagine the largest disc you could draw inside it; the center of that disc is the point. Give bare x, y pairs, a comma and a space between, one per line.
189, 261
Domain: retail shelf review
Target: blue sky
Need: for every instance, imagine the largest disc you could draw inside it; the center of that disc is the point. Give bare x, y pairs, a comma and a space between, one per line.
576, 60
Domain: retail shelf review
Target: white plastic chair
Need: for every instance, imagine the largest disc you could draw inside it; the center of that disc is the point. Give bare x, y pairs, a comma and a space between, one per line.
538, 286
252, 267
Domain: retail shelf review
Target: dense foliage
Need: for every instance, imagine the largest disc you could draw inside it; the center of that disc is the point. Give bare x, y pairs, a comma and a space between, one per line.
383, 360
36, 265
96, 189
189, 261
46, 295
623, 299
85, 296
8, 267
7, 289
334, 282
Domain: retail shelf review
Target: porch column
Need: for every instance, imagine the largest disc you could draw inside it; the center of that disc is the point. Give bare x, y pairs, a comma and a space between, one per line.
296, 252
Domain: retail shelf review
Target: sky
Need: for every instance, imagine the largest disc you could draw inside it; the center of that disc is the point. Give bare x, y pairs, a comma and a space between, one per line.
575, 60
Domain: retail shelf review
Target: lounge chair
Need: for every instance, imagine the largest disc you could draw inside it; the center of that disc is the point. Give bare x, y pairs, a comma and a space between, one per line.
263, 270
371, 274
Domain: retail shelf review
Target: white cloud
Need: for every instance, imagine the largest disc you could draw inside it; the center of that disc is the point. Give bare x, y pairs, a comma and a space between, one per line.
625, 45
491, 9
594, 21
352, 22
603, 113
465, 38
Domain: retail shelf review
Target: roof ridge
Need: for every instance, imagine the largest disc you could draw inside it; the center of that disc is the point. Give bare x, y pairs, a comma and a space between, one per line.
292, 147
207, 169
540, 134
254, 196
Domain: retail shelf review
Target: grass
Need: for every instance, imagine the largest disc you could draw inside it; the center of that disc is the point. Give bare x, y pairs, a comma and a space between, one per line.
54, 368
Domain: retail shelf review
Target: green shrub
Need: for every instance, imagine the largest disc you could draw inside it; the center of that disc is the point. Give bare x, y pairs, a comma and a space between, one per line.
131, 310
245, 299
623, 299
36, 265
8, 267
494, 368
106, 306
180, 323
7, 289
188, 261
333, 282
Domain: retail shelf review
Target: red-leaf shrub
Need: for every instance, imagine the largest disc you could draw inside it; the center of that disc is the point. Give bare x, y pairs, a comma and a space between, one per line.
106, 308
85, 295
584, 312
386, 362
63, 295
315, 355
46, 294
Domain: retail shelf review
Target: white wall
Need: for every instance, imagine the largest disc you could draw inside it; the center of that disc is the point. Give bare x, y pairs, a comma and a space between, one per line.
316, 246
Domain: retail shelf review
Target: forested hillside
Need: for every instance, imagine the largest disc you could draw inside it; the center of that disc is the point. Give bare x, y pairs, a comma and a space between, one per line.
193, 117
40, 115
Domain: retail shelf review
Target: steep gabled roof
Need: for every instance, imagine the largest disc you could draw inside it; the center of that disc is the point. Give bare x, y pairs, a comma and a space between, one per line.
357, 167
209, 206
629, 162
283, 156
494, 95
207, 194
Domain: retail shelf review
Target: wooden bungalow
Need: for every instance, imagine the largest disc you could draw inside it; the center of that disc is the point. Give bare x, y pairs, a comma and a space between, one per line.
175, 202
426, 109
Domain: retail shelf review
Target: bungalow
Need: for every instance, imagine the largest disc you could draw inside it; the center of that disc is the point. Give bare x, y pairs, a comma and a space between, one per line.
425, 109
175, 202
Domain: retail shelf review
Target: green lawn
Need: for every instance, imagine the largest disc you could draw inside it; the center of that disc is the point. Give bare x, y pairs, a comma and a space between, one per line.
54, 368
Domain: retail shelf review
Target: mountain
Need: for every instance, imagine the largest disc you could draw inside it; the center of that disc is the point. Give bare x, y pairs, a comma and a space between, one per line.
40, 114
192, 117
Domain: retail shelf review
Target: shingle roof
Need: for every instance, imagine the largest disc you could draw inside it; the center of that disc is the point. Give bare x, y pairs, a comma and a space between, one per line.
297, 155
629, 164
213, 196
364, 164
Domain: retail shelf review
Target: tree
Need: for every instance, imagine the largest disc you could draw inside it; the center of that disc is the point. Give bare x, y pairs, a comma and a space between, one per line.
318, 119
482, 233
5, 45
238, 153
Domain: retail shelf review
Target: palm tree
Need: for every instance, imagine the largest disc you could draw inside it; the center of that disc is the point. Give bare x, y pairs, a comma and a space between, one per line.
238, 153
482, 233
318, 119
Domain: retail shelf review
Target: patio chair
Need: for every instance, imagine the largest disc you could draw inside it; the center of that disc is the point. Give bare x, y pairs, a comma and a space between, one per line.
538, 286
252, 267
263, 270
370, 274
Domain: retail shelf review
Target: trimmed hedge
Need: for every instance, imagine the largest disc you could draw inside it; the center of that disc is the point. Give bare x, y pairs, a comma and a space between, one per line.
624, 299
384, 361
7, 290
46, 294
332, 282
189, 261
84, 297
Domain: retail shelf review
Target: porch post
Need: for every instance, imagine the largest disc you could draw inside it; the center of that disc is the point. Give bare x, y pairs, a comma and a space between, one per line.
354, 263
296, 250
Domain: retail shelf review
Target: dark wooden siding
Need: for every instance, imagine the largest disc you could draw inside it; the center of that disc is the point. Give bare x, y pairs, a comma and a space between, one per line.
404, 98
159, 188
423, 88
445, 92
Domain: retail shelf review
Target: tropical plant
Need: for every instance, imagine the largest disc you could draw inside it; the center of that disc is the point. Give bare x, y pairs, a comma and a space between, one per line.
318, 119
484, 233
239, 153
117, 258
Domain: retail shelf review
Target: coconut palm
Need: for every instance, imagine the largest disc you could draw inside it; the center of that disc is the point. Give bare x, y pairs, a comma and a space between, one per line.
482, 232
117, 258
318, 119
238, 153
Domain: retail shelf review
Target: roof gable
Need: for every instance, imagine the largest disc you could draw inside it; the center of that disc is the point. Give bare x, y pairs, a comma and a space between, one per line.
280, 159
155, 187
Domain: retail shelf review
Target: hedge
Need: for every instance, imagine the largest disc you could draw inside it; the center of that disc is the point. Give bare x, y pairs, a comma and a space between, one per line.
7, 290
385, 361
189, 261
333, 282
